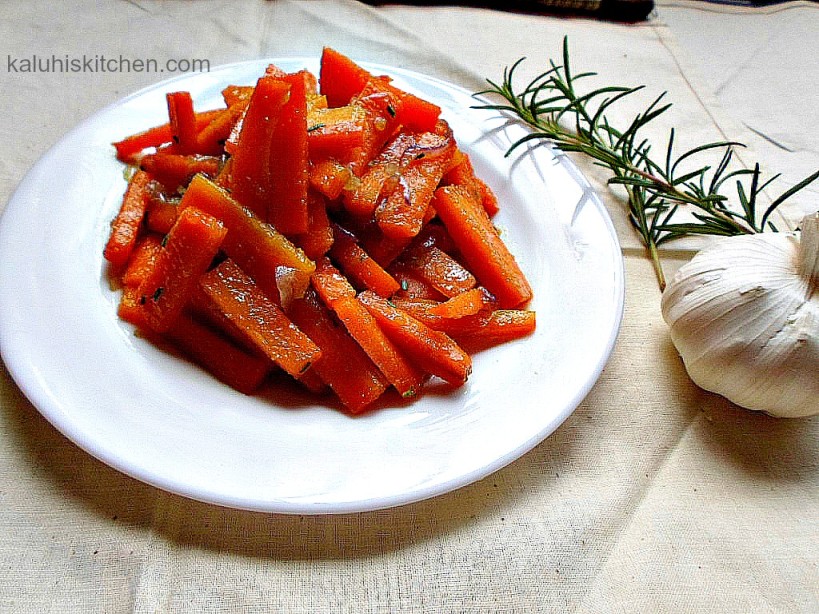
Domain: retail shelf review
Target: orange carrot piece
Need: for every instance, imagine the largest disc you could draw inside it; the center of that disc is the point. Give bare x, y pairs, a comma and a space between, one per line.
211, 139
341, 79
431, 350
319, 236
463, 174
490, 328
329, 177
483, 250
343, 365
332, 132
176, 170
262, 320
130, 146
161, 214
438, 269
255, 246
188, 250
142, 259
250, 178
330, 284
357, 265
126, 225
183, 121
336, 292
130, 307
404, 375
465, 304
229, 363
382, 176
401, 214
234, 94
287, 161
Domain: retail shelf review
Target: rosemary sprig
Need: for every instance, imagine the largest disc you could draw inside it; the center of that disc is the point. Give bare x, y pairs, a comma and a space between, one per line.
578, 122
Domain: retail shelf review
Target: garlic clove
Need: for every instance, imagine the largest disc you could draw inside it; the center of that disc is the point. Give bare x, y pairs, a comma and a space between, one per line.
744, 316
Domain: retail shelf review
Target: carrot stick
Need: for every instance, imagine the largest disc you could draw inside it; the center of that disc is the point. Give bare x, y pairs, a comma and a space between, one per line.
438, 269
343, 365
365, 272
161, 214
187, 252
401, 214
463, 174
262, 320
330, 284
142, 259
337, 293
329, 177
431, 350
126, 225
183, 121
465, 304
176, 170
483, 250
211, 139
250, 175
255, 246
157, 136
319, 236
229, 363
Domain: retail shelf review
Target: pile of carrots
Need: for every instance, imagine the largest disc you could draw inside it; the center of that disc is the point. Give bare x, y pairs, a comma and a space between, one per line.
329, 228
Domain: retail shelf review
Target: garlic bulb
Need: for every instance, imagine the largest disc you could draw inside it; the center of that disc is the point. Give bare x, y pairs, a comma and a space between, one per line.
744, 316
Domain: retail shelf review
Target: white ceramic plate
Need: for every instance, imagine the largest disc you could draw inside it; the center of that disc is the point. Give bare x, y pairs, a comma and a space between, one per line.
162, 420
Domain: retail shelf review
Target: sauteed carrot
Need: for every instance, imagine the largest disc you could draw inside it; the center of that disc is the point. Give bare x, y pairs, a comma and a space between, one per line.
331, 230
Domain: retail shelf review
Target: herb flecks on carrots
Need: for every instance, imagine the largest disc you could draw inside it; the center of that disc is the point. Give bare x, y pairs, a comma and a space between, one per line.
331, 230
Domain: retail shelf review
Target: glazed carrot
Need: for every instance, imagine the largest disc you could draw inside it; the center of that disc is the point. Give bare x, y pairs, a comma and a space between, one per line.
183, 122
161, 214
130, 308
438, 269
381, 177
329, 177
343, 365
319, 236
255, 246
481, 247
341, 79
378, 105
332, 132
486, 327
330, 284
362, 270
126, 225
211, 139
157, 136
465, 304
412, 286
234, 94
431, 350
287, 161
401, 213
250, 178
186, 253
176, 170
262, 320
337, 293
229, 363
463, 174
142, 259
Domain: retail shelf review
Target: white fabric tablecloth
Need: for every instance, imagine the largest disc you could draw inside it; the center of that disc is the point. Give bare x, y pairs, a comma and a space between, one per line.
654, 496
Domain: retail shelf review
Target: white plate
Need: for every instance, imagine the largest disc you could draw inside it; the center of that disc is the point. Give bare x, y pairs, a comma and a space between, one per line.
162, 420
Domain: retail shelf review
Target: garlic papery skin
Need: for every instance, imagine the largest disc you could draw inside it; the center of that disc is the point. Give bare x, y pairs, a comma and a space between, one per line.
744, 316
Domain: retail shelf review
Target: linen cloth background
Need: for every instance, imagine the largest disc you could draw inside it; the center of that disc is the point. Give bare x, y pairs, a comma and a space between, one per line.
653, 496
